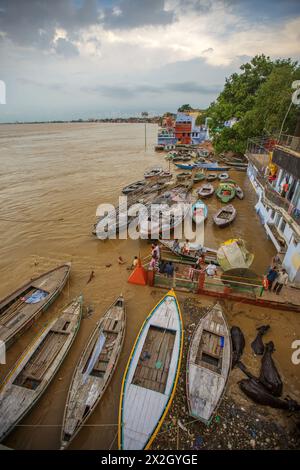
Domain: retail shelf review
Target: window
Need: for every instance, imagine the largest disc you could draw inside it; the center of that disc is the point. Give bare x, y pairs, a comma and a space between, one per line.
282, 225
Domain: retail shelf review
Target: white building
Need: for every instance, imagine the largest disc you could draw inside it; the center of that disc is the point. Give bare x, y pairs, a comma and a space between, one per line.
279, 215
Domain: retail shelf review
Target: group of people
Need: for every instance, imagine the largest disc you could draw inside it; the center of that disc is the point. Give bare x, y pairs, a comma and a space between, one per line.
164, 267
277, 278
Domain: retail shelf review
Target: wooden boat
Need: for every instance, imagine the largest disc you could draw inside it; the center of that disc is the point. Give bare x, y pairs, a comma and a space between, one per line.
151, 375
183, 176
199, 211
225, 216
183, 166
94, 370
223, 176
165, 174
134, 187
206, 190
211, 177
225, 192
21, 308
195, 249
198, 177
208, 365
239, 192
153, 172
177, 199
33, 372
213, 167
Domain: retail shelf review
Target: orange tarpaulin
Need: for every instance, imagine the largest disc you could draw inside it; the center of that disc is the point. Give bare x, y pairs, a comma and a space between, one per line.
138, 276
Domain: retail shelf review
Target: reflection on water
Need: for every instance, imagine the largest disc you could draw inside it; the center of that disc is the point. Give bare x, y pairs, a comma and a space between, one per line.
52, 178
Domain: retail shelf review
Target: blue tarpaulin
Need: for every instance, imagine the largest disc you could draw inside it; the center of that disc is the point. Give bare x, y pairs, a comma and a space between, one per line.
36, 297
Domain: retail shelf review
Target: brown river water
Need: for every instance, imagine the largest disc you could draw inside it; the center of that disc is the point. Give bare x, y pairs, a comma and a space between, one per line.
52, 178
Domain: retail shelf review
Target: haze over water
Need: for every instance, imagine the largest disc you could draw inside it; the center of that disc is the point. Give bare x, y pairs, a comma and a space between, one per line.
52, 178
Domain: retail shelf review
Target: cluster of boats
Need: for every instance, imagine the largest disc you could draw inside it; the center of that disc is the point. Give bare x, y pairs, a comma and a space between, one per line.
151, 374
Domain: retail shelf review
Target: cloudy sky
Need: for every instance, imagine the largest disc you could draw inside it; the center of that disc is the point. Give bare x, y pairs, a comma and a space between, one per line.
64, 59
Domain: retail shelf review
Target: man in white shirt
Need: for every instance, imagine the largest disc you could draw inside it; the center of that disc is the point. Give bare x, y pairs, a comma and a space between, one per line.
281, 280
211, 269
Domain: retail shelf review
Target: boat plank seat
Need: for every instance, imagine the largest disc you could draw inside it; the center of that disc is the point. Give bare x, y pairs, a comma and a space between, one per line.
154, 361
42, 358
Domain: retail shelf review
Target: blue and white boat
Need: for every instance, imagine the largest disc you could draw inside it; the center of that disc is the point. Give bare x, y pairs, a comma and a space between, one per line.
151, 375
199, 211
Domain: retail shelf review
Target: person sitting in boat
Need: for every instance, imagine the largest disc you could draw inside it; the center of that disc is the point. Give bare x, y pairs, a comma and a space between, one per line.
186, 248
169, 269
134, 262
211, 269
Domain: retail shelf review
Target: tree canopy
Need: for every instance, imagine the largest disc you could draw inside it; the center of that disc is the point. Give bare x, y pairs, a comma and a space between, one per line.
185, 107
259, 98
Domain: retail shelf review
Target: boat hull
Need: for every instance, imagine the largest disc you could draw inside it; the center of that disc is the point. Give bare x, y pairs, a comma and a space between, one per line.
208, 365
87, 389
51, 282
151, 399
31, 375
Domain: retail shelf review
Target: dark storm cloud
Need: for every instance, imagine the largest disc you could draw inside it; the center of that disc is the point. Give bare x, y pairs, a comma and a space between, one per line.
125, 92
135, 13
33, 22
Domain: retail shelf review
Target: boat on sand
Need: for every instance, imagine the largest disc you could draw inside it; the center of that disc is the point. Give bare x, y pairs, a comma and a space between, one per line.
208, 365
151, 375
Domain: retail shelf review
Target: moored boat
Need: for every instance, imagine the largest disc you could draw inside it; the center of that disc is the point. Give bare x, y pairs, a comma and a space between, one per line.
225, 216
183, 166
134, 187
225, 192
199, 211
195, 249
213, 167
33, 372
94, 370
151, 375
153, 172
239, 192
183, 176
21, 308
211, 177
206, 190
199, 177
208, 365
223, 176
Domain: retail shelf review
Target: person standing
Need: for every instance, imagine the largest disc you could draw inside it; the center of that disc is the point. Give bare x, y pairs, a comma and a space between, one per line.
281, 280
271, 276
285, 188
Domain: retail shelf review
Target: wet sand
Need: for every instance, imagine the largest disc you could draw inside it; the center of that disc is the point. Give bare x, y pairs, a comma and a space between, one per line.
63, 171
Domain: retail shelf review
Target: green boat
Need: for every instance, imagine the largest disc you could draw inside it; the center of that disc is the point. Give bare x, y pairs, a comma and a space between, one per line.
225, 192
198, 177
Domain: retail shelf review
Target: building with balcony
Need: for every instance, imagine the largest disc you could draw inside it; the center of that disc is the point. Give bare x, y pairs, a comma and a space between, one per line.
274, 171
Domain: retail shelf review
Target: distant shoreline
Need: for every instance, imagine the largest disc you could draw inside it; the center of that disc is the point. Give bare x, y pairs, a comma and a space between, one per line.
154, 120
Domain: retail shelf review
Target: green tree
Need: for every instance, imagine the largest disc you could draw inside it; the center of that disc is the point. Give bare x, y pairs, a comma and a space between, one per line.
259, 97
185, 107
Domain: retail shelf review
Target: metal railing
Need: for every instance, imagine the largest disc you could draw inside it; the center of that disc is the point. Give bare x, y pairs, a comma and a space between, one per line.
290, 141
261, 146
